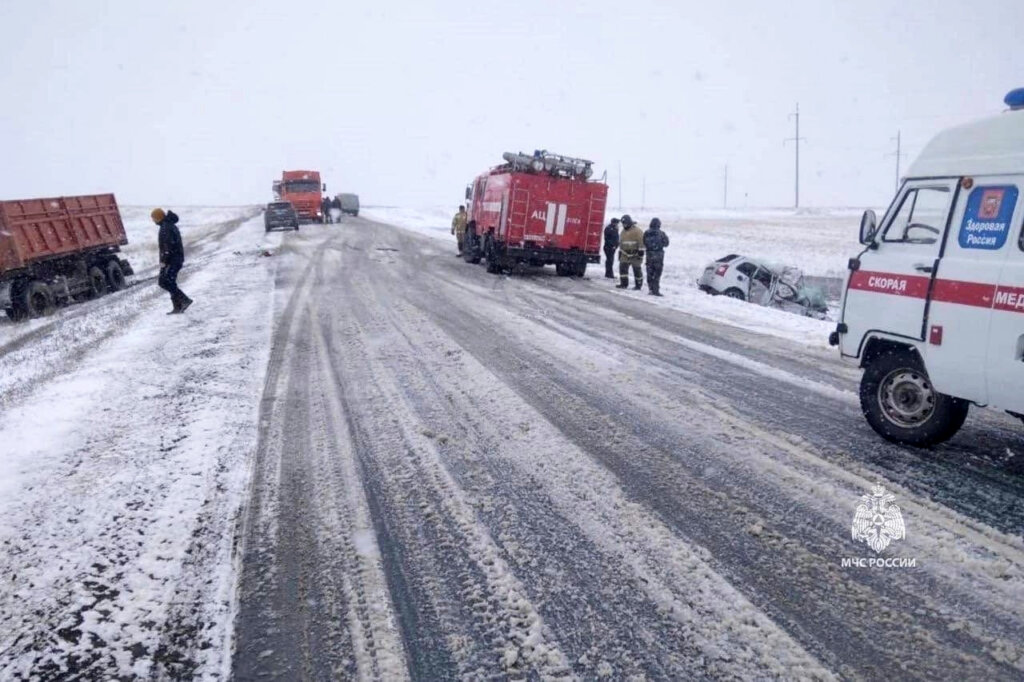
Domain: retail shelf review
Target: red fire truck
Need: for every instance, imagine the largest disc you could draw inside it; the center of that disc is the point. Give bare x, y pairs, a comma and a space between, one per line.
536, 209
302, 188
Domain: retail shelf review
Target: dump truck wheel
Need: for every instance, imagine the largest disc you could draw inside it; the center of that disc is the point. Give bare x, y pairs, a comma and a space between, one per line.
37, 299
735, 293
902, 406
97, 283
115, 276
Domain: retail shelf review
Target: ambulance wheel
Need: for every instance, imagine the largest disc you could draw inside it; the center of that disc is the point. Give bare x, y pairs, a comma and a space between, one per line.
902, 406
734, 293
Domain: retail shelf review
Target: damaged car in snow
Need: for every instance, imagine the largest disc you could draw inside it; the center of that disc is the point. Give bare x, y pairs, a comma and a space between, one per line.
748, 279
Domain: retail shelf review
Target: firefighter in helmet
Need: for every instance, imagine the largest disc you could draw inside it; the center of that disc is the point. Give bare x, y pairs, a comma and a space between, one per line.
655, 242
459, 227
611, 244
631, 253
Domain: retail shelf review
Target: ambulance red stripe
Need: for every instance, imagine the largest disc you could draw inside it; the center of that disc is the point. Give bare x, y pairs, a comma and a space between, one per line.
964, 293
975, 294
890, 283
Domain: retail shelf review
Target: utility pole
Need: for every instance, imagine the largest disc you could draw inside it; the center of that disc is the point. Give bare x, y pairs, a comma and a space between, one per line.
898, 154
620, 186
796, 138
725, 187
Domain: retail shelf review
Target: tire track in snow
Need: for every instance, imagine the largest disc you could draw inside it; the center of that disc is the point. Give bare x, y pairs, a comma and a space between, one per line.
550, 388
834, 426
463, 611
603, 565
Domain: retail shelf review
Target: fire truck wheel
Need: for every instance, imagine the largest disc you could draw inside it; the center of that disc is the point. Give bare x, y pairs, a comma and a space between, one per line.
734, 293
36, 299
902, 406
115, 276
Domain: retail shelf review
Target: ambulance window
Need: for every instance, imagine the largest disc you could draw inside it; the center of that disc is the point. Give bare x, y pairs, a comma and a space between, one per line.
921, 218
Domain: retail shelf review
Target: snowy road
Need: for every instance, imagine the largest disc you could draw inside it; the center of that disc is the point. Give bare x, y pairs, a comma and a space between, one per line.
467, 476
365, 459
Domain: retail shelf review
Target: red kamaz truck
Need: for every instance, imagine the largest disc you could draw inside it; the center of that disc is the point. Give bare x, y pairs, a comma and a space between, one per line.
53, 251
536, 209
302, 188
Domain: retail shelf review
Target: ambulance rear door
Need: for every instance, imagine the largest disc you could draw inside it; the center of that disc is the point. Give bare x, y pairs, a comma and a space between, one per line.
887, 293
1006, 338
960, 312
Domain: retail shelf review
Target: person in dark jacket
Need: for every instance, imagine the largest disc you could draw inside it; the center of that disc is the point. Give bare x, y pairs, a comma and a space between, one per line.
325, 209
655, 242
172, 257
335, 210
611, 245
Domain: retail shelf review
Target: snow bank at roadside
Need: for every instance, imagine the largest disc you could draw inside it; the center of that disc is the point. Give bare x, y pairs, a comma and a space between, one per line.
820, 241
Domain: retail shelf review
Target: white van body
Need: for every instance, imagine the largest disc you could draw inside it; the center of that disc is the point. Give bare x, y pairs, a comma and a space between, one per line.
941, 281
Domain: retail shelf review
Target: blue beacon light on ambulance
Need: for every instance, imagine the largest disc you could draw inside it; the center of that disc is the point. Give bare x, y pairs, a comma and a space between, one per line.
1015, 99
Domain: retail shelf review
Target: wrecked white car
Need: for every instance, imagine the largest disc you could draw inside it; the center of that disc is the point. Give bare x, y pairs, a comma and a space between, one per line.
747, 279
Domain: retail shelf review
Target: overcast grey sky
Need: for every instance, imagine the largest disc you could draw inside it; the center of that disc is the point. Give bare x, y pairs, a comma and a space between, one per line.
205, 102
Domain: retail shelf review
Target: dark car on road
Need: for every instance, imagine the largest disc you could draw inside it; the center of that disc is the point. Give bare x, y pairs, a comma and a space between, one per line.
280, 214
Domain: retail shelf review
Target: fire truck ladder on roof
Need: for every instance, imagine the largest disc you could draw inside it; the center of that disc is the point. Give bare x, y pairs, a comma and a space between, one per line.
543, 161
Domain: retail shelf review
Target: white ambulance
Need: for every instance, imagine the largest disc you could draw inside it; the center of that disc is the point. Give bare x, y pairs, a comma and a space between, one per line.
934, 304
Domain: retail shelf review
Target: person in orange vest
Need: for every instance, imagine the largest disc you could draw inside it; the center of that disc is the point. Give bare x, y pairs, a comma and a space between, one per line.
459, 227
631, 254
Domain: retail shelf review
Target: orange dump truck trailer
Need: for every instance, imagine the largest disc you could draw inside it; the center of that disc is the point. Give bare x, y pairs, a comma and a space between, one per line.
54, 251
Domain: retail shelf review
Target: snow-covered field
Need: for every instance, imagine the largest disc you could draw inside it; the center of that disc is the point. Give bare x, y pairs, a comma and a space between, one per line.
819, 241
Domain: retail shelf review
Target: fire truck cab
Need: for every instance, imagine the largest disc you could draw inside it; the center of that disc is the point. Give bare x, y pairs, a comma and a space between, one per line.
933, 308
536, 209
